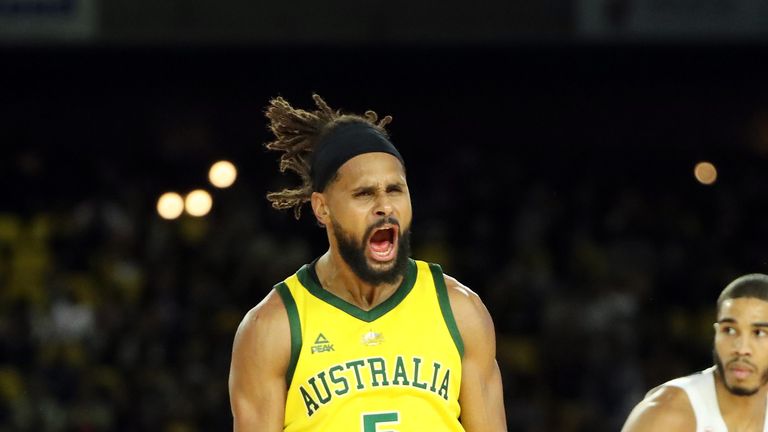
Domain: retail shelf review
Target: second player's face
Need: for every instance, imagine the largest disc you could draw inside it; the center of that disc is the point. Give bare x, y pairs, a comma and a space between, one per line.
741, 344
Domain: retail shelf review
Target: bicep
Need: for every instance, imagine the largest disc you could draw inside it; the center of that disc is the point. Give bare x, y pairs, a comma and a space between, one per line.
481, 396
260, 355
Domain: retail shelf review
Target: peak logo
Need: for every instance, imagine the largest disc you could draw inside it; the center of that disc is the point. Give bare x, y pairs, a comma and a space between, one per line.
322, 344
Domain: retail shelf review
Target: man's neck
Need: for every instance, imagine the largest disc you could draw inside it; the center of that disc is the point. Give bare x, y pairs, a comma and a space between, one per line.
337, 277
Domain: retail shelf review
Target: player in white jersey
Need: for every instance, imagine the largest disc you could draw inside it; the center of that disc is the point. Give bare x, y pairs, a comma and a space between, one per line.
731, 395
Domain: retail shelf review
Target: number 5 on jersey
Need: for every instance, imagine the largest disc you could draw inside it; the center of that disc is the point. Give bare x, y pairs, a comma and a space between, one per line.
371, 421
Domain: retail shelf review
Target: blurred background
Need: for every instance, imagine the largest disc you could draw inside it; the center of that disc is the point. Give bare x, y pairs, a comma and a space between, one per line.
594, 169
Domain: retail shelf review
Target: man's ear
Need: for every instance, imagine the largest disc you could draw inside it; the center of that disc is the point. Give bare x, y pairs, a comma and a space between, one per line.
320, 208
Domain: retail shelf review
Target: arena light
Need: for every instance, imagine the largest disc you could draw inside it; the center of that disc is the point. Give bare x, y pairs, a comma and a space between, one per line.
170, 205
222, 174
198, 203
705, 173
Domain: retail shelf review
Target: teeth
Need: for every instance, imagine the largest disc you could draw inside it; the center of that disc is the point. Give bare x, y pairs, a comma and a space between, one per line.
383, 253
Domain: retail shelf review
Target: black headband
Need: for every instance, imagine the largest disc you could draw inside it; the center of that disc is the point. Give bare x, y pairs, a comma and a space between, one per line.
343, 143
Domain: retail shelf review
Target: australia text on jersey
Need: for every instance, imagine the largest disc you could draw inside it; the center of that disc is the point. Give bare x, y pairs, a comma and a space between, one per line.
382, 374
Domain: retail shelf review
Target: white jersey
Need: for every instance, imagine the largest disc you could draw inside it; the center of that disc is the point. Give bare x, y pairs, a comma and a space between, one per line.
700, 388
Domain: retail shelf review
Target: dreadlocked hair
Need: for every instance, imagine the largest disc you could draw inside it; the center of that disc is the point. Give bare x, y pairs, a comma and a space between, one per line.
296, 133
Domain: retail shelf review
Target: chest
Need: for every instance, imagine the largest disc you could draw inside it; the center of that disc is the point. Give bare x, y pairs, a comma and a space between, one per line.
407, 344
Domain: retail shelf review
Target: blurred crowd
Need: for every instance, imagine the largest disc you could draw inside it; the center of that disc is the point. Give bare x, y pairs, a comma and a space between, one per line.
566, 200
113, 319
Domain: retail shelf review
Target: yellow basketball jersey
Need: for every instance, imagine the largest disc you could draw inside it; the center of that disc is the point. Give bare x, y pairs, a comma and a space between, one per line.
395, 368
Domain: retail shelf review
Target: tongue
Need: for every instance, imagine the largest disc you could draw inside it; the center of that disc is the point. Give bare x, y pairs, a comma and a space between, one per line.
380, 246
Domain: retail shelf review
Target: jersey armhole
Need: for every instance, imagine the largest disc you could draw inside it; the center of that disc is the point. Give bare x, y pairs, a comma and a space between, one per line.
295, 326
445, 307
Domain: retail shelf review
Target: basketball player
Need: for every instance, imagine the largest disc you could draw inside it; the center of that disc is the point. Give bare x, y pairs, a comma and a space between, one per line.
363, 338
730, 396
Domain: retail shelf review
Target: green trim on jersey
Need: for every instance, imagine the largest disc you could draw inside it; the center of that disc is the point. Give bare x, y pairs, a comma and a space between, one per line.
308, 280
295, 324
445, 307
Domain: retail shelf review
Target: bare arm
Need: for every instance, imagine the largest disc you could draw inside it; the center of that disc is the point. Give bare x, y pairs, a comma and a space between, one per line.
481, 397
260, 356
665, 409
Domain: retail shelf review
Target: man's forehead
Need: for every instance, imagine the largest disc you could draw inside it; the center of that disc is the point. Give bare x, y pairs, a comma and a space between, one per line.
370, 167
371, 159
747, 309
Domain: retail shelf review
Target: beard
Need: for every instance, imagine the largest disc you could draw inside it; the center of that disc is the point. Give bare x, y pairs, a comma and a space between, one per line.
353, 253
737, 390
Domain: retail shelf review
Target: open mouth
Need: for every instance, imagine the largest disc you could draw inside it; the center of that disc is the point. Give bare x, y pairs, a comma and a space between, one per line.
383, 243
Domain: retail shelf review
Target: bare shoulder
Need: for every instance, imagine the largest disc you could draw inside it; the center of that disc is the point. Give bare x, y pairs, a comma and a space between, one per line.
269, 309
269, 314
470, 313
665, 408
264, 328
458, 289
